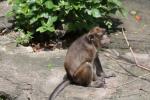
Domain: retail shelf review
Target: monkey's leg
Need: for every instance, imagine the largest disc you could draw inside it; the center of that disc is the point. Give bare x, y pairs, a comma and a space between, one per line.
97, 64
83, 75
99, 69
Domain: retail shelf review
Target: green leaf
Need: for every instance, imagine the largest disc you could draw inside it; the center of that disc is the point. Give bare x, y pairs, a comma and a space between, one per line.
76, 7
54, 18
34, 8
34, 19
10, 14
96, 13
45, 15
40, 2
116, 2
108, 23
41, 29
51, 20
96, 1
123, 12
49, 4
89, 11
24, 38
15, 1
31, 1
22, 8
63, 3
51, 29
50, 65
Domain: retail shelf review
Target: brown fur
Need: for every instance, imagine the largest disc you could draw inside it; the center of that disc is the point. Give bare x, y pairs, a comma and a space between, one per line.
82, 64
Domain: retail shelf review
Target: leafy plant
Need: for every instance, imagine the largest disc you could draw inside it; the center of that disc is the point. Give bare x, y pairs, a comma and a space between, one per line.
24, 38
1, 98
50, 65
47, 16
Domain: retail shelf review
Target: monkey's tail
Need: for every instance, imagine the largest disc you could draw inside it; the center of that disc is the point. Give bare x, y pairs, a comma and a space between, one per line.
59, 88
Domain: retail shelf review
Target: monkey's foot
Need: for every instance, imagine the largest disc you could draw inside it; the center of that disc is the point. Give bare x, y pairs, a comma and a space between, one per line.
100, 82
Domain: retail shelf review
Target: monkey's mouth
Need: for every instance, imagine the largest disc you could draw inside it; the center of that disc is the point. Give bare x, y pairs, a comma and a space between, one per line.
106, 45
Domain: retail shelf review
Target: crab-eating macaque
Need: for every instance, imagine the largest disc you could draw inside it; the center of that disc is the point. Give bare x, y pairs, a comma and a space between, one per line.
82, 63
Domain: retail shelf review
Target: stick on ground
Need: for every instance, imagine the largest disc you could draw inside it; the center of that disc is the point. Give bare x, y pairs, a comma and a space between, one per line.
140, 66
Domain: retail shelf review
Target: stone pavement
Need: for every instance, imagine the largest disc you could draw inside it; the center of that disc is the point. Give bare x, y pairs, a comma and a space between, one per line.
25, 75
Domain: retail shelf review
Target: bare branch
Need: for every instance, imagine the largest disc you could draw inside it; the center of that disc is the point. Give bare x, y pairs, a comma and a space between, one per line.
140, 66
139, 77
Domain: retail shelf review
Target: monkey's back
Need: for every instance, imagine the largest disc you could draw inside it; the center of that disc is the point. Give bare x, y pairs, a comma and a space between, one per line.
79, 52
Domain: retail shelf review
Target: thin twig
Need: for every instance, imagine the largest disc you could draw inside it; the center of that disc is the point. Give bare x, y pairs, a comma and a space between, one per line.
140, 66
142, 76
129, 46
118, 61
139, 77
136, 63
126, 83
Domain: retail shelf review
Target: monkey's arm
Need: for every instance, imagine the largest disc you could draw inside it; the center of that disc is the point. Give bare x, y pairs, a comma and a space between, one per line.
97, 64
99, 69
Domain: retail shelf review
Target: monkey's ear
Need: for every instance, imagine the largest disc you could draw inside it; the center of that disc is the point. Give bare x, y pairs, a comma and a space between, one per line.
90, 37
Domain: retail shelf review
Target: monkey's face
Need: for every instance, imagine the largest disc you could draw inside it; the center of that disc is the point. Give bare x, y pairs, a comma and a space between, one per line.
105, 40
98, 37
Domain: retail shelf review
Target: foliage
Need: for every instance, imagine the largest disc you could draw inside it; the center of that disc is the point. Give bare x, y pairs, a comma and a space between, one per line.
50, 65
46, 16
24, 38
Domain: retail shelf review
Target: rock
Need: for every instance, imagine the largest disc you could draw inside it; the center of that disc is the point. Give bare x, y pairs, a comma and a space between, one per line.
25, 76
4, 21
142, 59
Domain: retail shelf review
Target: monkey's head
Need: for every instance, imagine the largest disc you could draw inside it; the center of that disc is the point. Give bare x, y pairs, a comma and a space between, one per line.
98, 37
